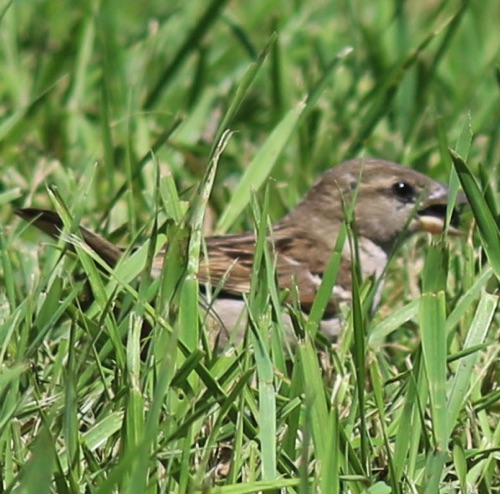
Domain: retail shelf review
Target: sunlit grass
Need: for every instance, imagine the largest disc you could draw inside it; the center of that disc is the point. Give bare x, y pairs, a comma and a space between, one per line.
116, 114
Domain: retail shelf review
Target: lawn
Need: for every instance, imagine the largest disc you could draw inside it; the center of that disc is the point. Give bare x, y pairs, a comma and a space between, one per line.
168, 121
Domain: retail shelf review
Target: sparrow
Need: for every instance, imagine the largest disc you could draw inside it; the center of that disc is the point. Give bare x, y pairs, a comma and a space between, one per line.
389, 202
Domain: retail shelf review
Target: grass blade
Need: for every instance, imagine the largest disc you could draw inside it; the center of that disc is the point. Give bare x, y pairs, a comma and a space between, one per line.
488, 226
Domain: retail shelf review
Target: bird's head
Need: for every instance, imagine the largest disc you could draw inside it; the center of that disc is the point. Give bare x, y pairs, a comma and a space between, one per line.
390, 200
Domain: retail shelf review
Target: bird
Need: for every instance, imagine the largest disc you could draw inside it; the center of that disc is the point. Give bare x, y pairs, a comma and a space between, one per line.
389, 202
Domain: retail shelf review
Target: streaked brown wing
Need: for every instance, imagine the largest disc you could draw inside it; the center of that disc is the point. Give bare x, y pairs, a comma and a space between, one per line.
230, 260
299, 261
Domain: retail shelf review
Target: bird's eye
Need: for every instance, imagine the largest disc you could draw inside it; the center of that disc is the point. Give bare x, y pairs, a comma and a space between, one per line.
403, 190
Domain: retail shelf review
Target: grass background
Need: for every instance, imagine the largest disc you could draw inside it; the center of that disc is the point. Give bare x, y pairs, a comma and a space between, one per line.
113, 112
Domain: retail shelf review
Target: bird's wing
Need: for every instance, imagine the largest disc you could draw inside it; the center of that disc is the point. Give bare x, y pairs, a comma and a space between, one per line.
299, 262
230, 264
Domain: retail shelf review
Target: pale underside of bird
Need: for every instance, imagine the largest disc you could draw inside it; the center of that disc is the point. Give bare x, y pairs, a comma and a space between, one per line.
389, 202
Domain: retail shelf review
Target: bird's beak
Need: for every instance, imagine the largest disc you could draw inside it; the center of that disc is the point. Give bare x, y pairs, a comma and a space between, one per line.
431, 214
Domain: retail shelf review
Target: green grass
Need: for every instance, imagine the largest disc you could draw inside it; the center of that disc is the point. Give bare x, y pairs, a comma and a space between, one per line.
115, 114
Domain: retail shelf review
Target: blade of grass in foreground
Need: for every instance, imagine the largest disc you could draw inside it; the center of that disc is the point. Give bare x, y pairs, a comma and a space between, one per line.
488, 227
36, 474
359, 359
433, 329
468, 298
258, 313
315, 398
189, 295
409, 427
461, 382
434, 466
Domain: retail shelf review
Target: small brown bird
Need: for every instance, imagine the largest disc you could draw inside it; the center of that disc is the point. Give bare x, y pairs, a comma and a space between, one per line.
391, 201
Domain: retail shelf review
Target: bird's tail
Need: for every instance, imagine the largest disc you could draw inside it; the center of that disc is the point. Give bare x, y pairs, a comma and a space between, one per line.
51, 223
